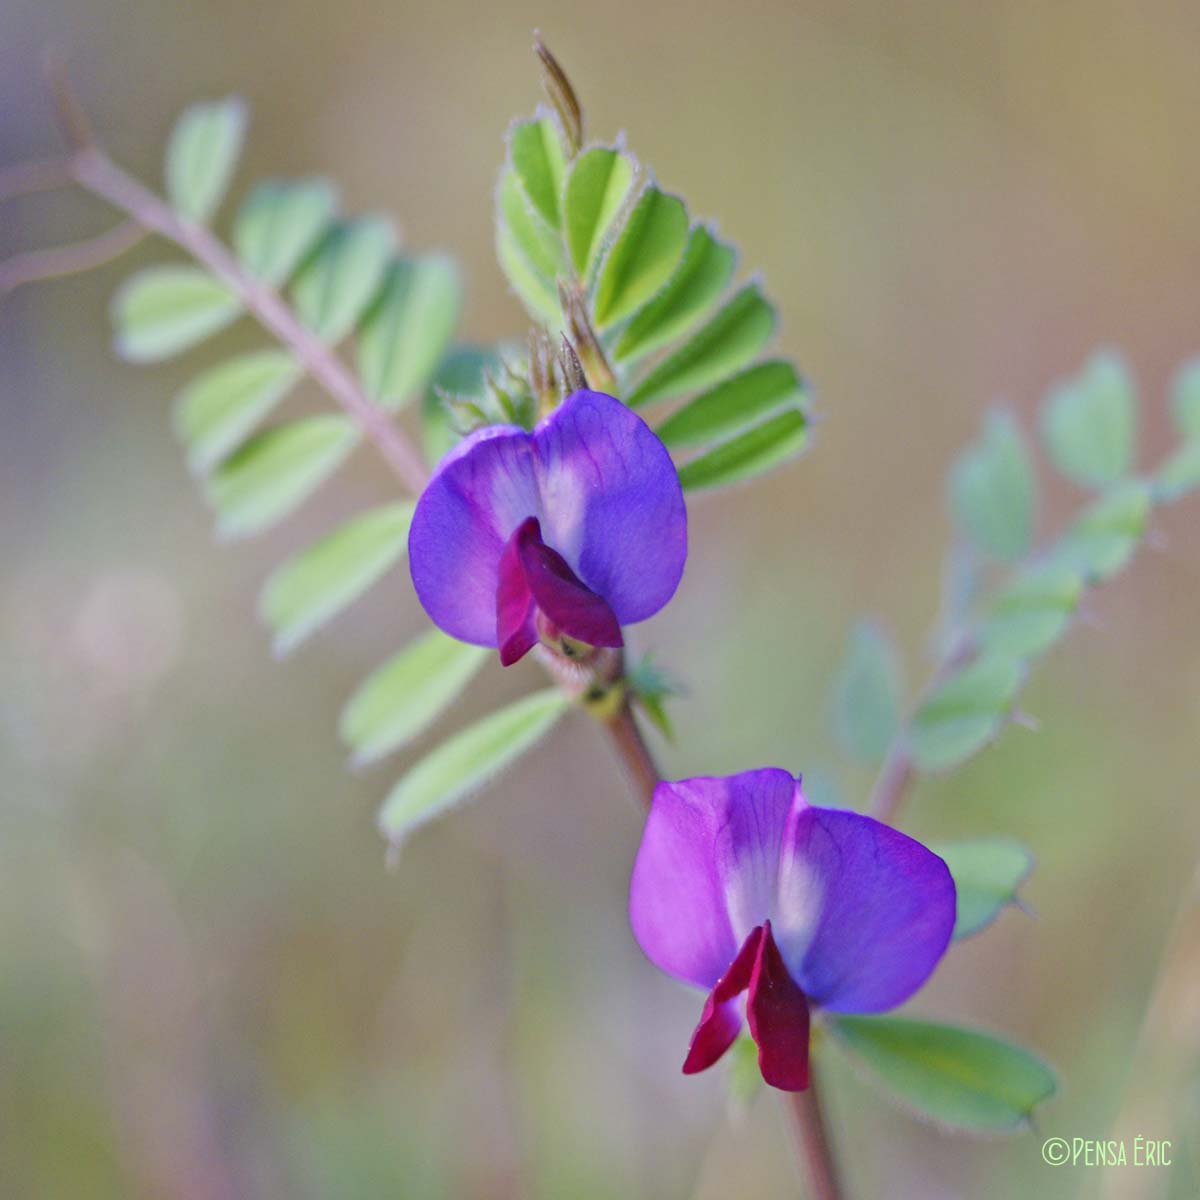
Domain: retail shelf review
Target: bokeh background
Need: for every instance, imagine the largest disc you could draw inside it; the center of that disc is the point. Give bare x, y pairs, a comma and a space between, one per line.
210, 986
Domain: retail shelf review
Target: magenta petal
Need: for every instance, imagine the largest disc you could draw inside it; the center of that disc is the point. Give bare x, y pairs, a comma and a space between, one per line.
777, 1010
864, 912
516, 627
571, 606
722, 1019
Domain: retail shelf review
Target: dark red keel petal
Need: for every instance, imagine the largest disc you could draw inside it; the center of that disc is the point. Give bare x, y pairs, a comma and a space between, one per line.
721, 1020
516, 631
779, 1019
561, 595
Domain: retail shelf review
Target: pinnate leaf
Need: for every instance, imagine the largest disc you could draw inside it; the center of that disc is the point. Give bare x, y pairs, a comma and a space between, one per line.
223, 405
342, 274
316, 584
161, 311
279, 223
701, 277
993, 492
961, 1078
729, 340
404, 696
275, 471
409, 328
735, 404
642, 257
1089, 423
467, 760
751, 453
1032, 612
964, 713
201, 155
987, 874
597, 186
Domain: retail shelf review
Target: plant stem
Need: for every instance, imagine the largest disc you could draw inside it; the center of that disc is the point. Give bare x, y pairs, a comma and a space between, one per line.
70, 259
812, 1140
92, 169
635, 755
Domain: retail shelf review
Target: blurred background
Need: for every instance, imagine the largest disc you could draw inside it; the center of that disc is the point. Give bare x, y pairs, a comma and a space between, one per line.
210, 986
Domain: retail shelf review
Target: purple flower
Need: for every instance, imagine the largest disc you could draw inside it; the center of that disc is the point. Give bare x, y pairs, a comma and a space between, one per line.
576, 528
741, 886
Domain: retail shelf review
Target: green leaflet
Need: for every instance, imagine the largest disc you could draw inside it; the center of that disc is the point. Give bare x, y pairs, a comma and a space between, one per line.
735, 404
538, 244
728, 341
403, 697
642, 256
1089, 423
161, 311
993, 491
1032, 612
201, 155
1104, 537
866, 695
220, 407
702, 276
470, 758
409, 328
342, 274
275, 471
1179, 474
279, 223
962, 1078
964, 713
987, 873
315, 585
536, 289
597, 185
751, 453
1185, 399
536, 154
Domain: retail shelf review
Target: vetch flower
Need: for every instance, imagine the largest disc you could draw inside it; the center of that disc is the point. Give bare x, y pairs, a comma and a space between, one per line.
740, 886
572, 530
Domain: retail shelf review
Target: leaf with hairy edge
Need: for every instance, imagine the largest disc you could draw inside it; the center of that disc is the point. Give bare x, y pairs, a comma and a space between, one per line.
342, 274
470, 758
993, 491
201, 155
409, 328
1105, 536
964, 713
1179, 474
1089, 423
539, 245
315, 585
162, 311
223, 405
1032, 612
735, 404
866, 695
987, 875
727, 342
1185, 399
460, 373
401, 699
751, 453
597, 185
536, 154
702, 276
962, 1078
533, 290
279, 223
642, 257
275, 471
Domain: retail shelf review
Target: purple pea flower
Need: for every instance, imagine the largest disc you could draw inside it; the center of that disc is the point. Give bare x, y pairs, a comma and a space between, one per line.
575, 529
741, 886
